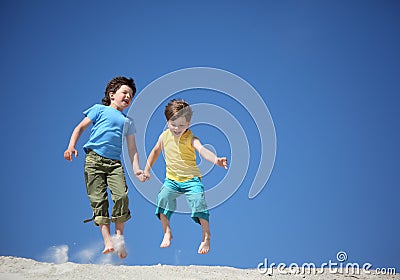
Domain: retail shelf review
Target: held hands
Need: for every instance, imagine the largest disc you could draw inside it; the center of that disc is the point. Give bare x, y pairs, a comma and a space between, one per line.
140, 175
146, 175
69, 152
222, 162
143, 175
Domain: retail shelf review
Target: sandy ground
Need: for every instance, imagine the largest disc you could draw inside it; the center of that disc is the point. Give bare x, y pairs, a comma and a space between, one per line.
20, 268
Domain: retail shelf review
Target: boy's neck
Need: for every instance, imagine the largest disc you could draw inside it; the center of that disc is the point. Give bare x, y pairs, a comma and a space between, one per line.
115, 107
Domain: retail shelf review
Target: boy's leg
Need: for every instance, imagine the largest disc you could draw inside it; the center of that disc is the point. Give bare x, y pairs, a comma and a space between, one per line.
119, 192
194, 192
166, 205
167, 231
96, 188
108, 244
120, 212
204, 247
119, 228
119, 240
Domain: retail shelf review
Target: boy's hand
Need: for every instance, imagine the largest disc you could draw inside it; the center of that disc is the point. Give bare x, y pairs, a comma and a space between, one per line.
139, 174
68, 153
146, 175
223, 162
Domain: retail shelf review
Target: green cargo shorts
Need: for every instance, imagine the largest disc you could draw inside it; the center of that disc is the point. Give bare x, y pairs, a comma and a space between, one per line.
100, 173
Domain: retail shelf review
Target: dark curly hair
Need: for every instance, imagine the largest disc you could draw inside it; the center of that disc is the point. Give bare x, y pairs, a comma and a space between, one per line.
178, 108
114, 85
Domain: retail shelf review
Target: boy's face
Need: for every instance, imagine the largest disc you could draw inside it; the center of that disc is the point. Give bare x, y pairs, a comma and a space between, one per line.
178, 126
122, 98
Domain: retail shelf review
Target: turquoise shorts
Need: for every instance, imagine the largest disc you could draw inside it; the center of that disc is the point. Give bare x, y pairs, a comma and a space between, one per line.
193, 190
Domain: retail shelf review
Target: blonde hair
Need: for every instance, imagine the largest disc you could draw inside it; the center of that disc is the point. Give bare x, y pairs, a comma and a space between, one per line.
177, 108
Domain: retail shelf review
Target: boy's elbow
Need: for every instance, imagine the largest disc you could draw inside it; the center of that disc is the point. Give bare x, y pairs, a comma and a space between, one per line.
80, 128
157, 150
154, 154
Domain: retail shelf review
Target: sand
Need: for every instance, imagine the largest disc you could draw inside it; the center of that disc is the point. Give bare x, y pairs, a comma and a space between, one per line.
19, 268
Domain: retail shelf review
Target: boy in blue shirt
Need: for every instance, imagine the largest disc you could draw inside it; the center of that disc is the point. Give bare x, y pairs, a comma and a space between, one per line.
103, 167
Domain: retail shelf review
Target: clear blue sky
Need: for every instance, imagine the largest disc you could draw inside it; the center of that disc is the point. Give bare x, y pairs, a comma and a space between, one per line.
327, 70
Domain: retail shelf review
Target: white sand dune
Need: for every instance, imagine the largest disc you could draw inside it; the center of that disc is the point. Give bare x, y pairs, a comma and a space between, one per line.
19, 269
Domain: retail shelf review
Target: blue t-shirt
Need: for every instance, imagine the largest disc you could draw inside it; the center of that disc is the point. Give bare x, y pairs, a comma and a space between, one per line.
107, 131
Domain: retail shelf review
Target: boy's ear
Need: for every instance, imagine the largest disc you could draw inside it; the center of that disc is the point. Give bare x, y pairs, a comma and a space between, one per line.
111, 94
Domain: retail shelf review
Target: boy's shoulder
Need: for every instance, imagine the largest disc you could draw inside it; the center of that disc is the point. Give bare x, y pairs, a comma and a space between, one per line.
96, 107
107, 109
188, 133
93, 110
104, 110
164, 134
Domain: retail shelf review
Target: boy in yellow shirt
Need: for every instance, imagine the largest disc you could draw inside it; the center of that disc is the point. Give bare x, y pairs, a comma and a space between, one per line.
182, 173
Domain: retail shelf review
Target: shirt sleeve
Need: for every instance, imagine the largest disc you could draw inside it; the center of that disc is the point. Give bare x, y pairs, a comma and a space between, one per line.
92, 113
130, 127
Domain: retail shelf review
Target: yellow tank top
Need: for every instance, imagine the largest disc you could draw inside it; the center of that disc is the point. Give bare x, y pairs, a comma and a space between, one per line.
180, 156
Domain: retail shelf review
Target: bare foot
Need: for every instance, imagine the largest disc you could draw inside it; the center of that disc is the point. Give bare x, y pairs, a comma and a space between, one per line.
122, 253
204, 247
119, 243
166, 240
108, 247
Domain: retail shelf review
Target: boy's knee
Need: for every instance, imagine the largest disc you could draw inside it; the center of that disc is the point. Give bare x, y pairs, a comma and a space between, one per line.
197, 203
121, 198
124, 196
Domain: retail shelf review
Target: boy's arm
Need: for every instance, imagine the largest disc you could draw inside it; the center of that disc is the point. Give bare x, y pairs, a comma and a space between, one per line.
208, 155
152, 158
134, 156
79, 129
